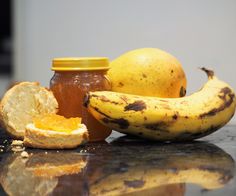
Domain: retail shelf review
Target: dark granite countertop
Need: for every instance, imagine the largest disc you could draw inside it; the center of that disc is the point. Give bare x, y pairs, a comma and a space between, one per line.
124, 166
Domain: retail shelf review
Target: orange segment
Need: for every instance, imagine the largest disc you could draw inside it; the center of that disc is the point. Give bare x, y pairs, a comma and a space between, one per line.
57, 123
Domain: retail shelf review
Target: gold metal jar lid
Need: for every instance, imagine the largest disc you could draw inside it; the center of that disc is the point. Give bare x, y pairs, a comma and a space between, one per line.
80, 64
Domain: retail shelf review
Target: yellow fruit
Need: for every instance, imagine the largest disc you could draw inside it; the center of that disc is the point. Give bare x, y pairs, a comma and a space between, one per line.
166, 119
148, 72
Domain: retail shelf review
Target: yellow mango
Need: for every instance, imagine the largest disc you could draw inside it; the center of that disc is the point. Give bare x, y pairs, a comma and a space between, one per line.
148, 72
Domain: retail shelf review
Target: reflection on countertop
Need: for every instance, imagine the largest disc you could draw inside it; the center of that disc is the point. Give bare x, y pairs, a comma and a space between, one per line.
123, 166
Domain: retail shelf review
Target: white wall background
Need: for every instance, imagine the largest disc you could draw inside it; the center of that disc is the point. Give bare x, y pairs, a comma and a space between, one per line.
198, 33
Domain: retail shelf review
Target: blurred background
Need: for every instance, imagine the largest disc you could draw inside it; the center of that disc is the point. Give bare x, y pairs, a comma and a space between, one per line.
198, 33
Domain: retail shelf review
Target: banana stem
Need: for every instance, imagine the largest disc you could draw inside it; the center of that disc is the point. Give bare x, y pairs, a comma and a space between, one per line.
210, 73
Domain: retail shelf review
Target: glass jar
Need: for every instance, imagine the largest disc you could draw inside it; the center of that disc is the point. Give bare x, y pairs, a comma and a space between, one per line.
72, 78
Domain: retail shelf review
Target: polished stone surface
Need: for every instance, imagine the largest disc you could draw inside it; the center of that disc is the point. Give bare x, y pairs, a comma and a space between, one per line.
124, 166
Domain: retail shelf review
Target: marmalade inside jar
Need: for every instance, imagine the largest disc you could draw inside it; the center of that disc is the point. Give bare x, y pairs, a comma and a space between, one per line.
70, 87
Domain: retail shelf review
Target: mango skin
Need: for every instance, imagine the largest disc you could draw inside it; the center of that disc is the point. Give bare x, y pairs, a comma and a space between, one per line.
148, 72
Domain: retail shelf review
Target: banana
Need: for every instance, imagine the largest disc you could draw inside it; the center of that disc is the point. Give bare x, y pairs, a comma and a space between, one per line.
166, 119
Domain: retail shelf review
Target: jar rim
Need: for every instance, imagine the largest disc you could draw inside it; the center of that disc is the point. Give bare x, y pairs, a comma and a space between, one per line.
80, 63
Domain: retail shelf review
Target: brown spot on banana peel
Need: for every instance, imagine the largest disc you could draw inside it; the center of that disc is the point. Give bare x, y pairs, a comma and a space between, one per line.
124, 98
136, 106
121, 122
175, 116
189, 135
144, 75
181, 137
162, 126
103, 98
98, 111
134, 183
184, 102
226, 91
162, 100
158, 126
121, 84
165, 106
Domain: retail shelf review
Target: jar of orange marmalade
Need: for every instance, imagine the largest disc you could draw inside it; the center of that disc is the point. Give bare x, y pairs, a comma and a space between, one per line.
73, 77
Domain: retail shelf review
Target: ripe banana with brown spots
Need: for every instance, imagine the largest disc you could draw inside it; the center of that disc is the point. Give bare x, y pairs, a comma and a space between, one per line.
166, 119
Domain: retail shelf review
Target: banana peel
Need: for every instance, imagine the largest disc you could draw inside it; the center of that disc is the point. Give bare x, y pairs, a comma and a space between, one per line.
166, 119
